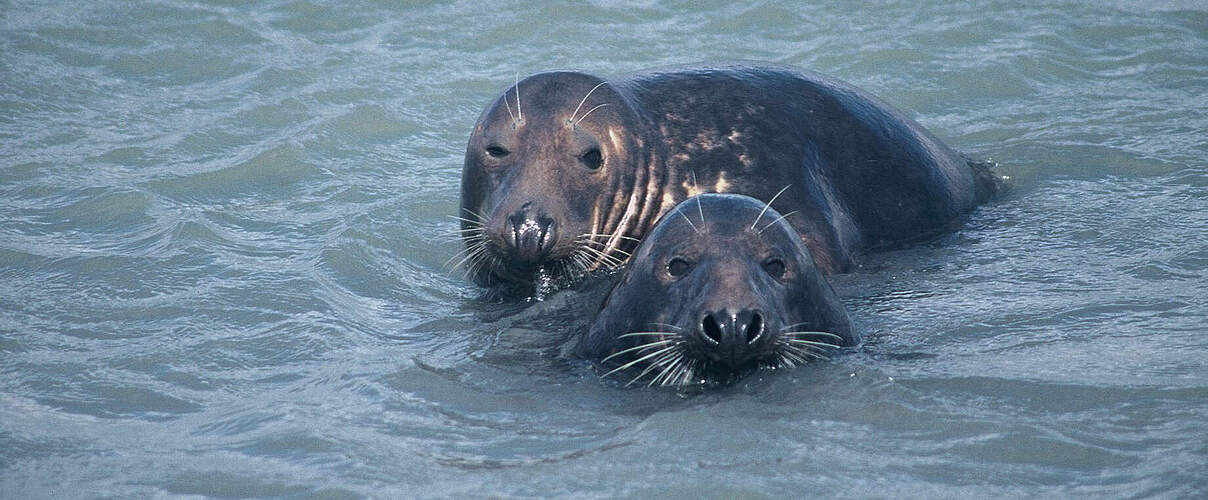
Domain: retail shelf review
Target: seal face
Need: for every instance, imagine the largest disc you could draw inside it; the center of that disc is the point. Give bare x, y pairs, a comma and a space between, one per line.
565, 172
544, 170
720, 286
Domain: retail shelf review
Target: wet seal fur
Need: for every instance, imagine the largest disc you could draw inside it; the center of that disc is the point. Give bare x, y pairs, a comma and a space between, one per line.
566, 172
720, 286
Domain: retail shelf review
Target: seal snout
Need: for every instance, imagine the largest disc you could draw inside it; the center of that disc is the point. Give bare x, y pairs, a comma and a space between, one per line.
530, 234
731, 337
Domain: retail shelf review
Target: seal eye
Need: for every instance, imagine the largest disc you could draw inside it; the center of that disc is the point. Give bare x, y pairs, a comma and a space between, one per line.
774, 267
497, 151
592, 159
678, 267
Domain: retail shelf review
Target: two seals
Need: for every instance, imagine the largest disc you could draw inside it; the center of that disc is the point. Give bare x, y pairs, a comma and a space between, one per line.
723, 284
565, 172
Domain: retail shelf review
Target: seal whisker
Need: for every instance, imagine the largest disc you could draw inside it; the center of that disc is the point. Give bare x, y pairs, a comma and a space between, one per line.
603, 257
809, 333
591, 240
673, 327
783, 361
668, 373
487, 260
813, 350
589, 112
691, 372
611, 260
621, 252
641, 359
794, 357
638, 334
768, 205
586, 244
813, 343
580, 260
590, 262
472, 234
689, 221
478, 250
799, 352
519, 110
585, 259
667, 362
593, 237
681, 375
654, 364
474, 240
509, 108
794, 360
476, 215
699, 208
668, 370
669, 357
477, 262
468, 250
637, 348
778, 219
473, 223
572, 115
470, 258
465, 251
614, 240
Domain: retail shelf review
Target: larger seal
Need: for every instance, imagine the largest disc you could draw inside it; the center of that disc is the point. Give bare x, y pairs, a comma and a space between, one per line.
565, 172
720, 286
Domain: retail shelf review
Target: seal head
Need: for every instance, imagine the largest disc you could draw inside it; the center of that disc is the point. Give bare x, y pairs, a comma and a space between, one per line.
540, 172
723, 284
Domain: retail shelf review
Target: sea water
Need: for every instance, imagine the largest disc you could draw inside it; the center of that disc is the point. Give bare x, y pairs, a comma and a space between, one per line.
224, 229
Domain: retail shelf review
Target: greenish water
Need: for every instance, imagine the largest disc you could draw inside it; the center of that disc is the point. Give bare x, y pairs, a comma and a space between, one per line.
223, 227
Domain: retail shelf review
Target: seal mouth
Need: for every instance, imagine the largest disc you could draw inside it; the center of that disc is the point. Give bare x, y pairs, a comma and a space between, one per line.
530, 249
671, 355
529, 240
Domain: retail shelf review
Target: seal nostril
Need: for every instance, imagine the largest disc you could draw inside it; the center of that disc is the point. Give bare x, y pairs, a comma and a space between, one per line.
546, 225
711, 329
754, 328
515, 221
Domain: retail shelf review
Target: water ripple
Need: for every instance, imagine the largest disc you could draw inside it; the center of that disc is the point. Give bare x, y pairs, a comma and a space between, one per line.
222, 231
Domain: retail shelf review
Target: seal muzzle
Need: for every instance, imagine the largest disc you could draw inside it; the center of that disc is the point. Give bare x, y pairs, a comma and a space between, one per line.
731, 338
529, 235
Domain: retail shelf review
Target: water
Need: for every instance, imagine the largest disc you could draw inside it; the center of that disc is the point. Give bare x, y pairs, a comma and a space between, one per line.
223, 225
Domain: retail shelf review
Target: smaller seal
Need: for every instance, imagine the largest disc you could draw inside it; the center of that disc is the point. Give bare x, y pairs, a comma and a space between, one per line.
722, 285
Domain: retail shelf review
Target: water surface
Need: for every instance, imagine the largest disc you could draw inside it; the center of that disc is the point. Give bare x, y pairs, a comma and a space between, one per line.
223, 227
